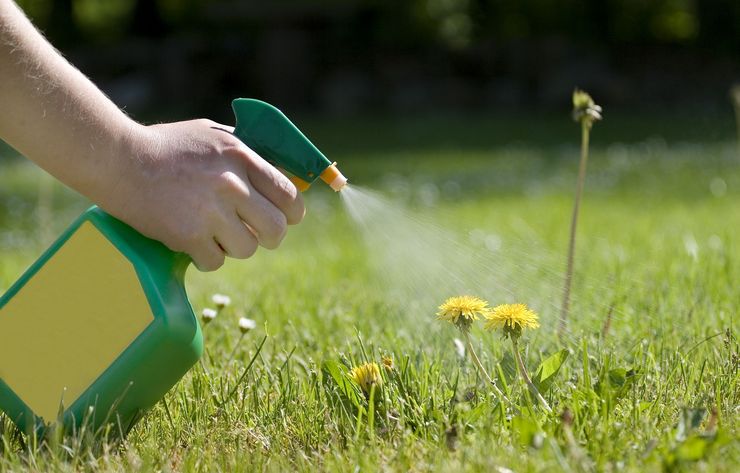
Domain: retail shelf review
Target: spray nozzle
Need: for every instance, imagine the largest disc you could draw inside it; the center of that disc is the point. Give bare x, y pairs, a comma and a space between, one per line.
273, 136
334, 177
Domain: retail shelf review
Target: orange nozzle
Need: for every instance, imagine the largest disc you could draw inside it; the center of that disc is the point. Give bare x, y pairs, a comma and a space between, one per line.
299, 183
333, 177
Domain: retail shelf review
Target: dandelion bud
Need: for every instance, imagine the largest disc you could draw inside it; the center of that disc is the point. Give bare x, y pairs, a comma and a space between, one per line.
584, 108
581, 99
245, 325
208, 315
387, 362
221, 300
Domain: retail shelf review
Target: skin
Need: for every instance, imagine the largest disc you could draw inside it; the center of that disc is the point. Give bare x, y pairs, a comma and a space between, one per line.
191, 185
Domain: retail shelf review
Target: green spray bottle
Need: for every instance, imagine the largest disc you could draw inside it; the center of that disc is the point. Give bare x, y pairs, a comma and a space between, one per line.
99, 328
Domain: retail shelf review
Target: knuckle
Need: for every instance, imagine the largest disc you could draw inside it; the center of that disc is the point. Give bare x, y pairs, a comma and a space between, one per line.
229, 182
287, 191
219, 143
246, 248
209, 263
275, 232
238, 152
195, 240
231, 147
249, 155
250, 249
205, 122
290, 201
296, 212
234, 152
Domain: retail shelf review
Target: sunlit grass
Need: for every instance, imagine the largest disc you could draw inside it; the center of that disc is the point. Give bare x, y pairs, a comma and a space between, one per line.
658, 250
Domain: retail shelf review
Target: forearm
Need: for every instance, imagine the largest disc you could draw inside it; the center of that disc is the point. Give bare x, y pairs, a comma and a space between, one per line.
191, 185
51, 113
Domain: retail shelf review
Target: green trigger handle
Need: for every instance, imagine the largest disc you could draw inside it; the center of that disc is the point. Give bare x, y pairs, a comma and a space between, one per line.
276, 139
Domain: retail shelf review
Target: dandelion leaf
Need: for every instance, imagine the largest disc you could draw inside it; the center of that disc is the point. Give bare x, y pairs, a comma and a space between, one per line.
548, 369
615, 382
339, 374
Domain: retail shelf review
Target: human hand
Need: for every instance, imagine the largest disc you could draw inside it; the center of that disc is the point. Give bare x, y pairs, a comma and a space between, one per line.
191, 185
199, 190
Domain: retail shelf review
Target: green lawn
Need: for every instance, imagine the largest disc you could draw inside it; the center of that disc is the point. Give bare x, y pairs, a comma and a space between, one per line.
651, 380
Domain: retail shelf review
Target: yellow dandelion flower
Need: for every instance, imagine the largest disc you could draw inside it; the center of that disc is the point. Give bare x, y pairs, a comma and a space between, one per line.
387, 362
366, 376
462, 310
513, 318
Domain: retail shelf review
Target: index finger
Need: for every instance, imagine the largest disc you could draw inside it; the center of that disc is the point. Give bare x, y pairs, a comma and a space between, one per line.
275, 186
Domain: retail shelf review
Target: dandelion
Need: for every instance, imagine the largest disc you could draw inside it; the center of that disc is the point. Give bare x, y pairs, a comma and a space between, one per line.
584, 108
208, 315
387, 362
366, 376
462, 311
586, 112
513, 319
221, 301
245, 325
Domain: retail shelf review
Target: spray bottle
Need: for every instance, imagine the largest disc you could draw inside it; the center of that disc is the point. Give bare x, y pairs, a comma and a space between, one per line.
99, 328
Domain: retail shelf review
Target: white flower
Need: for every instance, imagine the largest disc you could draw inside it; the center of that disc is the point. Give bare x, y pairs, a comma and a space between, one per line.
208, 315
245, 325
221, 300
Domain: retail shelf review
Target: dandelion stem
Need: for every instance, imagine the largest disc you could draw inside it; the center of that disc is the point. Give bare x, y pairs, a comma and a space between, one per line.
608, 322
482, 370
244, 374
737, 121
525, 375
203, 361
565, 309
236, 347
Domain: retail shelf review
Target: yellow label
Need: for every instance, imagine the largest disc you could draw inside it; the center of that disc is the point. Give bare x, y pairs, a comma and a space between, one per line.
70, 321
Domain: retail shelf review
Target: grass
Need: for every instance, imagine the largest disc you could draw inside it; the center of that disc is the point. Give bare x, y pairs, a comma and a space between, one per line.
655, 388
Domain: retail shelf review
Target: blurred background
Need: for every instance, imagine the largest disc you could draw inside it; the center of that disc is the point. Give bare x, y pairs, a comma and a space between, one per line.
181, 58
433, 101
